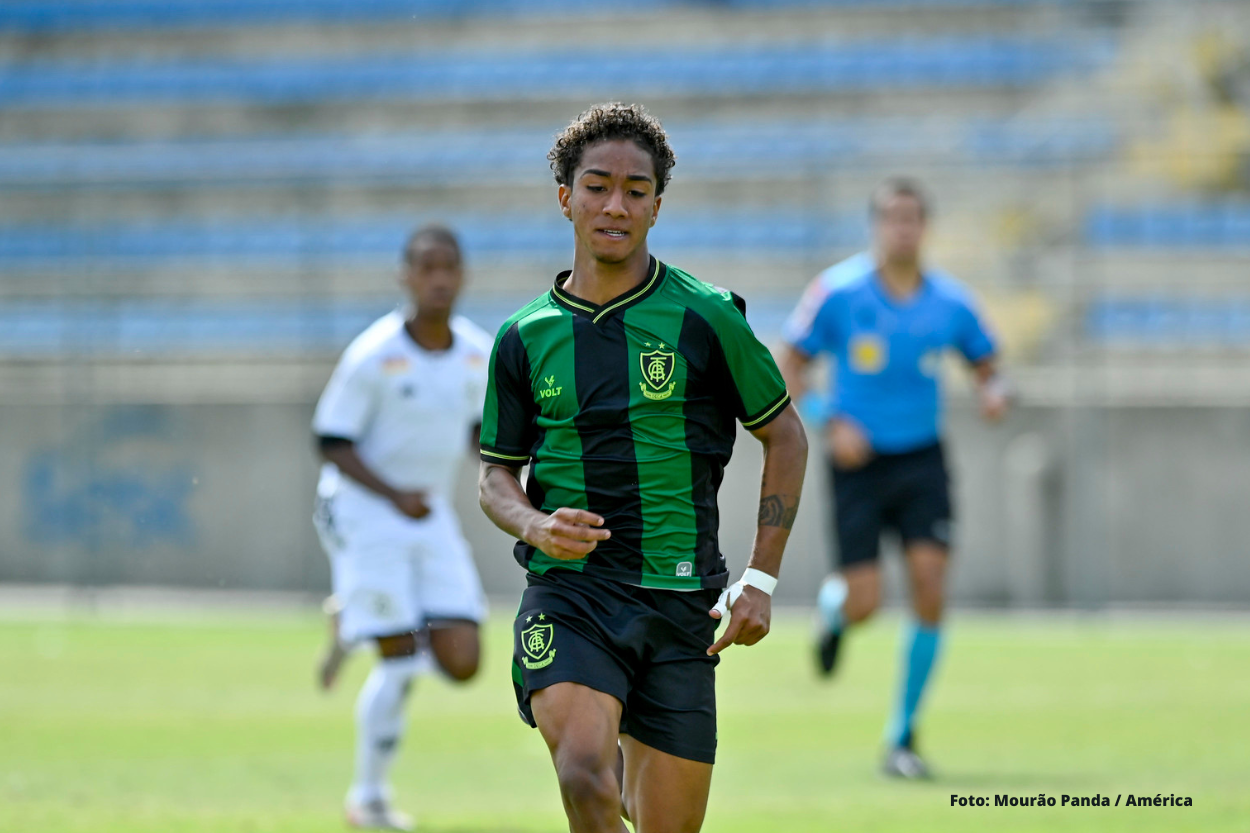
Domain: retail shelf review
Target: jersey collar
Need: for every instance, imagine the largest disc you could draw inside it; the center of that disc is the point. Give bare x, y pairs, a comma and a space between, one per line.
621, 302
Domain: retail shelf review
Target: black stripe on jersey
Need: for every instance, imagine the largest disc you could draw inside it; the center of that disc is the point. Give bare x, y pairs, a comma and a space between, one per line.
515, 419
704, 421
601, 365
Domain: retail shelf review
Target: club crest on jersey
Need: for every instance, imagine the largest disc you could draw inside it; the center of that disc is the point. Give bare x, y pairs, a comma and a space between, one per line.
536, 642
657, 373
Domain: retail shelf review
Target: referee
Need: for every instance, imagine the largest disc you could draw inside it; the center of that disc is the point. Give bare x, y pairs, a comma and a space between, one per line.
886, 319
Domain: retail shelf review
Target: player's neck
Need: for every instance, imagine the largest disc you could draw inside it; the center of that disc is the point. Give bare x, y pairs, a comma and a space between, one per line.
902, 279
598, 282
430, 331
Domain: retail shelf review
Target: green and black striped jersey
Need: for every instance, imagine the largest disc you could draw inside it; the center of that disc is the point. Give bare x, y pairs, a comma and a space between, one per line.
627, 409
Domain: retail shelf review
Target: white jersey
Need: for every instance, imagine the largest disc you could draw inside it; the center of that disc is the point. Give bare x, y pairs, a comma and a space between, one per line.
408, 410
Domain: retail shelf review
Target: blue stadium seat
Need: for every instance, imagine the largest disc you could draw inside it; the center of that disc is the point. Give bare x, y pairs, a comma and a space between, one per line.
519, 154
77, 15
861, 65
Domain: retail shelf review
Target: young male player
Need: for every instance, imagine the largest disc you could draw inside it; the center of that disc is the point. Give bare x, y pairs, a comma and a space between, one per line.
887, 319
620, 388
394, 421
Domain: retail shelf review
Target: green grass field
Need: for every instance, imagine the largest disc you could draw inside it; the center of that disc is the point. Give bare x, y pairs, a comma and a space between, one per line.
213, 724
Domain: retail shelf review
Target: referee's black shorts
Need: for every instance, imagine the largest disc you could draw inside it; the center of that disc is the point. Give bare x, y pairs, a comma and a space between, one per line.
906, 493
647, 648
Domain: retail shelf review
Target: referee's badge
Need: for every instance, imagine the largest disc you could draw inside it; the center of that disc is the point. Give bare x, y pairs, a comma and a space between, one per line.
657, 374
867, 353
536, 642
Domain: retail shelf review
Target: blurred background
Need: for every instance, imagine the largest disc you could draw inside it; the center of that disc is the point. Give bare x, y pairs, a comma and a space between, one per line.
204, 201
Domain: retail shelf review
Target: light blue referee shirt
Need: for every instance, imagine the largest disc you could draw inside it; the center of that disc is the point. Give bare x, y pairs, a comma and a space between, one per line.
887, 353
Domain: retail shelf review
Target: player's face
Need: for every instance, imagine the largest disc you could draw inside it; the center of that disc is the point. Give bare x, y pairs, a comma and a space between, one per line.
900, 227
612, 200
433, 277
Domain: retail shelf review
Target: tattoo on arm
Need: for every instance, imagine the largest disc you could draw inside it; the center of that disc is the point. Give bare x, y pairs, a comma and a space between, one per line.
778, 510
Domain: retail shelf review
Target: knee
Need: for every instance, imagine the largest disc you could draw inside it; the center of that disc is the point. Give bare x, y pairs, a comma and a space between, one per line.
460, 668
861, 604
588, 786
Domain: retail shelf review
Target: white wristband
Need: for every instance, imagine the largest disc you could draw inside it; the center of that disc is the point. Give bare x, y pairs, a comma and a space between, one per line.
760, 580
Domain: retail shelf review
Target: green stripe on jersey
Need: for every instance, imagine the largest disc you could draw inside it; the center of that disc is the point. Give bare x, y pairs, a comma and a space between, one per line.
657, 387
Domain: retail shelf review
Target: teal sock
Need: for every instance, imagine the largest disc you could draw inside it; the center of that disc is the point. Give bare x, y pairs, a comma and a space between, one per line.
920, 649
829, 601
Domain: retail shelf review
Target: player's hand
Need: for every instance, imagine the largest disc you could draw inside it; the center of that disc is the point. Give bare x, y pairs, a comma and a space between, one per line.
994, 403
411, 504
749, 621
568, 534
848, 444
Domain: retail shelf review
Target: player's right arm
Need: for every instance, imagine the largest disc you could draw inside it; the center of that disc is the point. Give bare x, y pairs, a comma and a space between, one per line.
509, 433
344, 413
342, 453
567, 533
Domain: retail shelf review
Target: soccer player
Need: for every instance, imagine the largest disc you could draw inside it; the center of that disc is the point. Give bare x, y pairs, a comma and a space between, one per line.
402, 407
887, 318
620, 388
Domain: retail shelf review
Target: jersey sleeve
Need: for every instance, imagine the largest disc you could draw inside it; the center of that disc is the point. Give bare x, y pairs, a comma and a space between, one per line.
974, 338
812, 326
758, 393
349, 401
509, 415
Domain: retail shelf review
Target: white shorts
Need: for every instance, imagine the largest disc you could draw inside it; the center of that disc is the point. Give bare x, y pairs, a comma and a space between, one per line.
392, 574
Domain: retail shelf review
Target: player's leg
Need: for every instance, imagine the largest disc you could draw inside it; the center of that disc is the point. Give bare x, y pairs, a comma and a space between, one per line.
449, 593
456, 647
853, 594
336, 650
664, 793
581, 726
571, 678
372, 583
668, 733
925, 527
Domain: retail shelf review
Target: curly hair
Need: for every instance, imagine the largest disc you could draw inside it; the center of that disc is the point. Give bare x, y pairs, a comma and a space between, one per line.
610, 122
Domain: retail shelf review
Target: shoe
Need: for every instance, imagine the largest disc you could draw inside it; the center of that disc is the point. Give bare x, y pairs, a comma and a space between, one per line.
827, 651
377, 815
829, 603
903, 762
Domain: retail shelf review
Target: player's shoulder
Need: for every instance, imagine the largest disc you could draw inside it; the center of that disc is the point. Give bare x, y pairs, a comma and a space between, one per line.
473, 338
375, 339
713, 303
847, 276
946, 287
530, 315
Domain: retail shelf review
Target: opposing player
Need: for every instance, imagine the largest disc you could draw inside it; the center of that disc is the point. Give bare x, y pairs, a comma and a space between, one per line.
393, 424
886, 318
620, 388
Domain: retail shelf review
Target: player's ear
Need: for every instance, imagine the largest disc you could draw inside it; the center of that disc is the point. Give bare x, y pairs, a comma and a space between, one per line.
655, 210
563, 194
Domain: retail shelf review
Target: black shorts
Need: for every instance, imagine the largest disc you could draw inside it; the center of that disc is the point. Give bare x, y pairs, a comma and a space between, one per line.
908, 493
647, 648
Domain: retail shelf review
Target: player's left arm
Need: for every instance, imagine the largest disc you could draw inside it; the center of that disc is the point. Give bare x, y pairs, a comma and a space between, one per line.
976, 341
993, 391
785, 463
